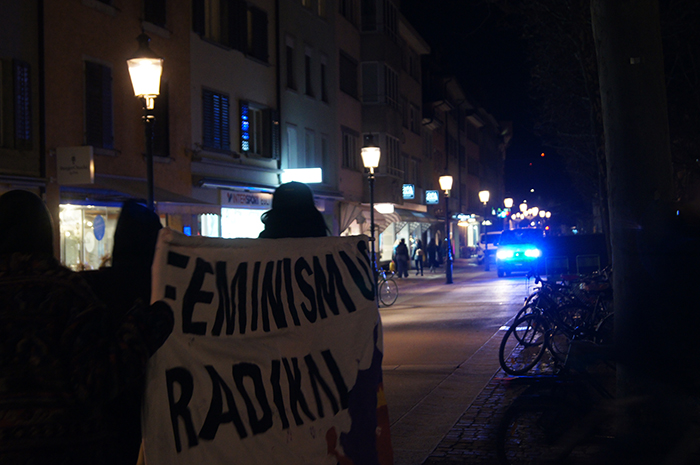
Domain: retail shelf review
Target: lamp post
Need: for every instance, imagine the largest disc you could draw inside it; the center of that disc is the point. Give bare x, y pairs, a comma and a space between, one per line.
370, 158
446, 185
508, 203
145, 69
484, 198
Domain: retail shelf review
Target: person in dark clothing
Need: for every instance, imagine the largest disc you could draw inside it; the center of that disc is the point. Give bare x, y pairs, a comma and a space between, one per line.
418, 255
63, 357
122, 286
402, 259
293, 214
432, 254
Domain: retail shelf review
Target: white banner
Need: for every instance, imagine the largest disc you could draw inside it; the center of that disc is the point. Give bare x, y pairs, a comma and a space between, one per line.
275, 356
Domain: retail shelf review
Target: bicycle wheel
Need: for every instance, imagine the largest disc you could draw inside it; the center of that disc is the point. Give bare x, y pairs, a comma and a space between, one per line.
531, 430
568, 322
388, 292
523, 344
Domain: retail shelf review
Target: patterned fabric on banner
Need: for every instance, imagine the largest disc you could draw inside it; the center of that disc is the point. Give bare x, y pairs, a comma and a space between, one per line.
275, 356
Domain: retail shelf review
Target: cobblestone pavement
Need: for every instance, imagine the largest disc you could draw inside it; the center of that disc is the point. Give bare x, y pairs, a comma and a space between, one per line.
472, 439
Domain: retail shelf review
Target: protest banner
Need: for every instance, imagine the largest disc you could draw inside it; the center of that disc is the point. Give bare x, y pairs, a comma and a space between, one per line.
275, 356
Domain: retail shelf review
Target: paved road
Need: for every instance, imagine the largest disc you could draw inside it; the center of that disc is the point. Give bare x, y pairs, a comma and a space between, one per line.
440, 351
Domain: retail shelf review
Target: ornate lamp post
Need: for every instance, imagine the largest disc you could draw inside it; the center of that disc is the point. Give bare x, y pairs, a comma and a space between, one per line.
446, 185
370, 158
145, 69
484, 198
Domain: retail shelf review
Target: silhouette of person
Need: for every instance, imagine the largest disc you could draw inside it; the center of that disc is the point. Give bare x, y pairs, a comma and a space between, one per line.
122, 286
293, 214
402, 258
62, 355
418, 255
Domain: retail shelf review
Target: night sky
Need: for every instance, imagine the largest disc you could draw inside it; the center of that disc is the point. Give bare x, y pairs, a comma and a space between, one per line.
482, 47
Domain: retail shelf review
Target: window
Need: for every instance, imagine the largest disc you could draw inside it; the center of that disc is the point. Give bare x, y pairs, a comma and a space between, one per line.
321, 4
351, 152
16, 129
380, 84
415, 119
259, 130
257, 34
309, 149
380, 15
292, 147
99, 129
307, 73
232, 23
216, 133
394, 159
368, 13
154, 12
306, 3
348, 75
161, 127
289, 60
404, 111
324, 79
346, 8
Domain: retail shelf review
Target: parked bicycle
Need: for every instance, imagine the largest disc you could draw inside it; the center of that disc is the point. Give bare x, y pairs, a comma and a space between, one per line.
552, 317
387, 289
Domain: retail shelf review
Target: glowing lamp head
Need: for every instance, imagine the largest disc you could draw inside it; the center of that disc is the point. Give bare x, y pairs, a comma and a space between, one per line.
145, 69
370, 157
484, 197
446, 183
508, 202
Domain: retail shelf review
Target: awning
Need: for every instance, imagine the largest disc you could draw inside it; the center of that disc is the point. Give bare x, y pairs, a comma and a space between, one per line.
113, 189
410, 216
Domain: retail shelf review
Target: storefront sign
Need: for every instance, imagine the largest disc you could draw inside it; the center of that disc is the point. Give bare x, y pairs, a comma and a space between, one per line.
275, 356
409, 191
75, 165
257, 200
432, 197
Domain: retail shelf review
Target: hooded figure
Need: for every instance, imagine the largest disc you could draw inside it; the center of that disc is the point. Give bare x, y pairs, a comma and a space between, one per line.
293, 214
64, 355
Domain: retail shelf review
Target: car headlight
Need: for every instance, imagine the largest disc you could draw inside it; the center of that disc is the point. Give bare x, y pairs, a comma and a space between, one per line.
504, 254
533, 253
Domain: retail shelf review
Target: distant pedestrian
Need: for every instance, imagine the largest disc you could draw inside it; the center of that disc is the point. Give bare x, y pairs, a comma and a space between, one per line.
432, 255
418, 255
402, 258
293, 214
63, 356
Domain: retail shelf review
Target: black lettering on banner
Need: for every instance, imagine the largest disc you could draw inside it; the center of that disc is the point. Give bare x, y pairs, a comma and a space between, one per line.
272, 297
240, 282
193, 295
224, 309
316, 379
296, 396
255, 297
334, 275
277, 392
179, 409
243, 370
178, 260
301, 266
216, 415
357, 276
337, 378
290, 292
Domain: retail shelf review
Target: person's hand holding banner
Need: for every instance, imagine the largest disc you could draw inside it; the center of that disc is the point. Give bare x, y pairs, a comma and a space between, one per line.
275, 356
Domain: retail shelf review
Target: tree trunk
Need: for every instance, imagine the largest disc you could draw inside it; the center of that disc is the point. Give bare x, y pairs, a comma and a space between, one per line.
649, 303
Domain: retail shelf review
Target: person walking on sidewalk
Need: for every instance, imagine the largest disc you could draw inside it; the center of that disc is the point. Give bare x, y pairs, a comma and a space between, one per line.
418, 257
402, 258
432, 255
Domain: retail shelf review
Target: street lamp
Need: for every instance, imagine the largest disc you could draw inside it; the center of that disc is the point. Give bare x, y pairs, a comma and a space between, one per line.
508, 203
446, 185
370, 158
484, 198
145, 69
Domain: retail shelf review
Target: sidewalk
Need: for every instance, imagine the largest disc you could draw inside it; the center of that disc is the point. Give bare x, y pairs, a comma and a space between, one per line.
475, 395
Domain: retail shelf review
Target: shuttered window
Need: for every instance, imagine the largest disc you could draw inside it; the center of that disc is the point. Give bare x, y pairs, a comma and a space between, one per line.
99, 128
215, 117
154, 12
257, 33
23, 105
